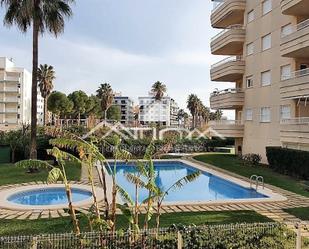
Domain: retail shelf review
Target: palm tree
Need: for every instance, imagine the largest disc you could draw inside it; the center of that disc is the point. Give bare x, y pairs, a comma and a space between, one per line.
106, 95
46, 76
41, 15
193, 103
158, 89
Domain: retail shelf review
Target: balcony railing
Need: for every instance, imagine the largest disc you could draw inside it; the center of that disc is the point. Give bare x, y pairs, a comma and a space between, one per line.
295, 28
296, 74
228, 59
235, 26
216, 5
296, 121
226, 91
227, 122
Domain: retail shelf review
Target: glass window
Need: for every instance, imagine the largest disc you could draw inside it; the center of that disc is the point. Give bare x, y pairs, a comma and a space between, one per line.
285, 112
266, 6
265, 114
249, 114
249, 81
285, 72
266, 42
250, 16
286, 30
250, 48
266, 78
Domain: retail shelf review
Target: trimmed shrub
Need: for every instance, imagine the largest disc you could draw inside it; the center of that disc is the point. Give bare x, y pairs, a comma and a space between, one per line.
289, 161
252, 159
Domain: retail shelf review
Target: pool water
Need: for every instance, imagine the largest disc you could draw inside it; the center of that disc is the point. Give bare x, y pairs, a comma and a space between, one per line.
207, 187
48, 196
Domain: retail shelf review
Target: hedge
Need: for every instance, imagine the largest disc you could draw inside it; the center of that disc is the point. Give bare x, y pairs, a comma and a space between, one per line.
289, 161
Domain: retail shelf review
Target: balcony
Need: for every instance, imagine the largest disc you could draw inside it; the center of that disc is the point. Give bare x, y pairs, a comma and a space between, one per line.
295, 130
230, 69
230, 41
295, 7
295, 43
9, 90
9, 111
295, 85
9, 100
228, 13
227, 99
227, 128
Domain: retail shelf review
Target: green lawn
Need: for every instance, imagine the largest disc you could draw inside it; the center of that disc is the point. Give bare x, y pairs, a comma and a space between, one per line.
10, 174
301, 213
234, 164
60, 225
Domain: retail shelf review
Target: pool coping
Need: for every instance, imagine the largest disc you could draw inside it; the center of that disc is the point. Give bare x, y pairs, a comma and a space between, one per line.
271, 195
6, 193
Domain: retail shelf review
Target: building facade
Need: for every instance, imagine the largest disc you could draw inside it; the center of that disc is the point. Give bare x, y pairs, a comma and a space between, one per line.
15, 96
267, 44
163, 112
126, 109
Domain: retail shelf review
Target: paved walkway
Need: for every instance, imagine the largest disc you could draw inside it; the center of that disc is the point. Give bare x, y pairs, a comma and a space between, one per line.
273, 210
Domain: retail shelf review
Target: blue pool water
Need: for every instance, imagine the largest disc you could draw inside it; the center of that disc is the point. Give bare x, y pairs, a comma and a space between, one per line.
48, 196
207, 187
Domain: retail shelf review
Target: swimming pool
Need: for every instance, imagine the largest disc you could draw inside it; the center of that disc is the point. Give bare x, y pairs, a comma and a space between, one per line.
208, 187
48, 196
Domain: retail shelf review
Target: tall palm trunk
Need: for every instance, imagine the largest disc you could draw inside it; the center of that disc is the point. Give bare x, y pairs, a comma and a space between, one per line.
45, 112
34, 90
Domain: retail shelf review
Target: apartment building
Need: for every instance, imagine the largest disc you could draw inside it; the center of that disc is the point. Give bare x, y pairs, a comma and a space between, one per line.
152, 111
15, 96
126, 108
266, 49
174, 113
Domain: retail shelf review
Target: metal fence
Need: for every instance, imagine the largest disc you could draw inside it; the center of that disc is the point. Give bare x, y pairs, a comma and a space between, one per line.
245, 236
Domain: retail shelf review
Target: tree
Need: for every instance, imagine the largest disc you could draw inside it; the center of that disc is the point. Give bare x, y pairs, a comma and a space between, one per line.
182, 116
114, 113
41, 15
59, 104
193, 106
106, 95
80, 101
158, 89
46, 76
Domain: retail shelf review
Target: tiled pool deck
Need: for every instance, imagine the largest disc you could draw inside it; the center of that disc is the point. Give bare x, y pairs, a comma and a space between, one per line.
273, 210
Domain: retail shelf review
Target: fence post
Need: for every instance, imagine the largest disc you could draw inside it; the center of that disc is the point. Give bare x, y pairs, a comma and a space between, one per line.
298, 238
34, 243
179, 240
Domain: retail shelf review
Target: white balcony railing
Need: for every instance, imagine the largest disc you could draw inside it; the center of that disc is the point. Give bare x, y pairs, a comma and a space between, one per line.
216, 5
226, 122
296, 74
235, 26
296, 121
295, 28
226, 60
226, 91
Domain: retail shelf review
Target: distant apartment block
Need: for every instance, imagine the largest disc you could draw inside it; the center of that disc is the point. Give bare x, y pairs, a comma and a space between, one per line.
126, 108
15, 96
152, 111
266, 44
174, 113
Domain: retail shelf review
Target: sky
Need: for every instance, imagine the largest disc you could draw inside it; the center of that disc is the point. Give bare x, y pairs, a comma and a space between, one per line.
129, 44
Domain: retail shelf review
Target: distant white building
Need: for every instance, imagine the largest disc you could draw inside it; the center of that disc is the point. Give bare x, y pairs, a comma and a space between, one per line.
152, 111
126, 108
15, 95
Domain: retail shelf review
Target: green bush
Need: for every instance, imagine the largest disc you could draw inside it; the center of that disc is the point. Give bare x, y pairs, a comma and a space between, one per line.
289, 161
251, 159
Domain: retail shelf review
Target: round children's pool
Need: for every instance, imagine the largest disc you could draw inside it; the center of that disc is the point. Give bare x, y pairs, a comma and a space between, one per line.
48, 196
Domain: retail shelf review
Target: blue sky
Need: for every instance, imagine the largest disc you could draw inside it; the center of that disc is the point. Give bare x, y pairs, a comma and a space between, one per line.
129, 44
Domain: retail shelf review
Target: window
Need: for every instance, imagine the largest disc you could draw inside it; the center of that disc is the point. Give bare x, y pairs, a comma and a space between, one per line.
249, 81
266, 6
266, 42
250, 16
286, 30
266, 78
285, 72
250, 48
249, 114
265, 114
285, 112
